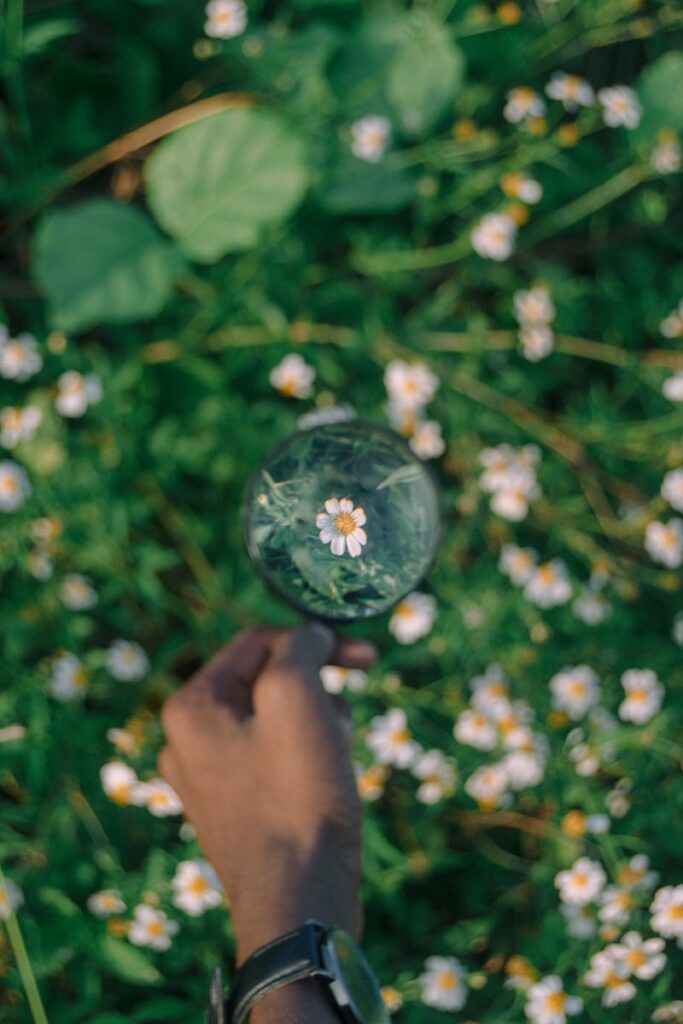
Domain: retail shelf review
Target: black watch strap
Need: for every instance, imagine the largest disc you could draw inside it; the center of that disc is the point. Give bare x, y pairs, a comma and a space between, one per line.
288, 958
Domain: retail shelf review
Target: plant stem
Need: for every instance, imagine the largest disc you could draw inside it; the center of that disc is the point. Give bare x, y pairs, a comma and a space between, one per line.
23, 961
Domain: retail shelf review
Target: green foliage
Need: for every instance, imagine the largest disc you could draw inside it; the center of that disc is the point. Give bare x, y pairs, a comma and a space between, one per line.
424, 77
217, 185
180, 212
101, 262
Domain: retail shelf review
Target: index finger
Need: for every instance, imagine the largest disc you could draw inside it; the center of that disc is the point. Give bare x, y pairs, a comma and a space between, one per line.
223, 685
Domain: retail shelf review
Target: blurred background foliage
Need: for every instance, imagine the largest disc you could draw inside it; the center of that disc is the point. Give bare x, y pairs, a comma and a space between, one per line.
177, 213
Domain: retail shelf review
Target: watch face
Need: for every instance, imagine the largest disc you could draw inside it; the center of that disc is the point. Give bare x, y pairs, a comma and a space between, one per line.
356, 984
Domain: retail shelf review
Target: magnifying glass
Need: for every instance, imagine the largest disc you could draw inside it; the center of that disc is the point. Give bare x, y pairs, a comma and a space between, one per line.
343, 520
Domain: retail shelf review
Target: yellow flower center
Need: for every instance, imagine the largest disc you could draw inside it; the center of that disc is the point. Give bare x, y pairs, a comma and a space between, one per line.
612, 980
79, 679
638, 694
630, 876
399, 736
120, 794
446, 979
198, 886
580, 879
676, 912
288, 387
8, 483
555, 1002
546, 573
155, 928
577, 688
636, 958
345, 523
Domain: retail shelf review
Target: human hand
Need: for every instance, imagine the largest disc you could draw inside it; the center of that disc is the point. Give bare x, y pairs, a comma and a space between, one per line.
259, 754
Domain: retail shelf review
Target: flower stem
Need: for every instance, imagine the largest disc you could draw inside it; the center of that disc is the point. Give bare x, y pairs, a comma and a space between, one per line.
23, 961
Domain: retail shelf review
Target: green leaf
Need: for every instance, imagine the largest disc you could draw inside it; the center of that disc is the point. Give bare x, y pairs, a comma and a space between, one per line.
101, 262
163, 1008
38, 37
402, 475
660, 90
216, 185
127, 963
425, 77
356, 186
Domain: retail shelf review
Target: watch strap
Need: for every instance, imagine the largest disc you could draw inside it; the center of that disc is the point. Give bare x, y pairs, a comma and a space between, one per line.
288, 958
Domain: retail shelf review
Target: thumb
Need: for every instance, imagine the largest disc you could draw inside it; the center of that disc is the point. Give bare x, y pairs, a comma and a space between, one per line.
289, 685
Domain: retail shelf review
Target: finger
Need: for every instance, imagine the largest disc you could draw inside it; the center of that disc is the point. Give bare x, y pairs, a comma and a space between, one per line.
354, 653
221, 690
289, 686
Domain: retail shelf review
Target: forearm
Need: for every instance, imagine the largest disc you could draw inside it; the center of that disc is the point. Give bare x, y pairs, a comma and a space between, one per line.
302, 1002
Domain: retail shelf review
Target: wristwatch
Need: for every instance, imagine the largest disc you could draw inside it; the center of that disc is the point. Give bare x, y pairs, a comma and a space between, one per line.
312, 951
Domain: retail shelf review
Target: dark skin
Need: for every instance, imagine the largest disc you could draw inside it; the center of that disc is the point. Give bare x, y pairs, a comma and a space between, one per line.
259, 754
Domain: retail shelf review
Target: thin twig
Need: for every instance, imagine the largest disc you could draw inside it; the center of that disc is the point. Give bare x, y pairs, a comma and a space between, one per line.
28, 978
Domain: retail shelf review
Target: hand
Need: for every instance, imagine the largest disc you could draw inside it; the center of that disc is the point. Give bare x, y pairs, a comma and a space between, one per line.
259, 754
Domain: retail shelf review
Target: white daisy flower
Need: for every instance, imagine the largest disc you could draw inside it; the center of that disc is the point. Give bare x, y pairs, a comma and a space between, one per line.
19, 357
521, 104
336, 679
15, 486
522, 187
475, 730
616, 905
672, 388
124, 741
121, 784
328, 414
536, 343
575, 690
511, 502
523, 768
77, 593
196, 887
666, 156
409, 385
126, 661
105, 903
664, 542
508, 468
488, 785
437, 775
152, 928
370, 137
549, 586
490, 692
644, 957
518, 564
572, 90
548, 1003
340, 527
68, 680
591, 607
17, 425
443, 983
582, 883
75, 392
392, 998
534, 307
584, 760
620, 106
672, 325
370, 781
413, 617
611, 974
427, 441
672, 488
597, 824
11, 898
40, 565
581, 923
293, 377
644, 695
159, 798
390, 740
225, 19
666, 912
494, 236
636, 874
